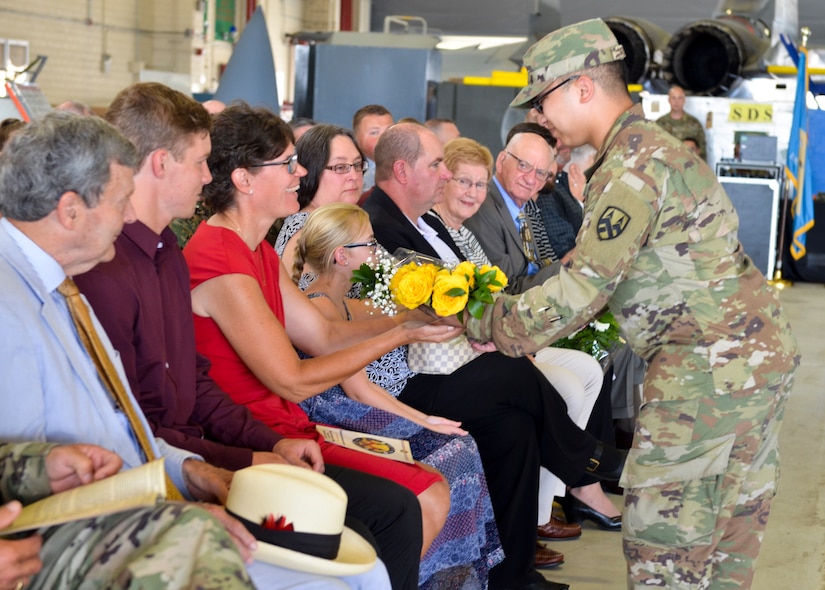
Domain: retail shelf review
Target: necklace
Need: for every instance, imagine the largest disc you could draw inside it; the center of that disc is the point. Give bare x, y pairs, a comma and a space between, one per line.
234, 226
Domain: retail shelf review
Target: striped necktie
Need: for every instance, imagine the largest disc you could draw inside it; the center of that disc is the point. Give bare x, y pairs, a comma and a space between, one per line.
107, 372
544, 252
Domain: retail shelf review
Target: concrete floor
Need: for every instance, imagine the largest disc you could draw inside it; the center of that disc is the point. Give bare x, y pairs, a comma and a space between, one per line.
793, 553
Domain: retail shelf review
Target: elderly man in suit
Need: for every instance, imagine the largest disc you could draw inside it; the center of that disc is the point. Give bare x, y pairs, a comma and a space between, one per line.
508, 225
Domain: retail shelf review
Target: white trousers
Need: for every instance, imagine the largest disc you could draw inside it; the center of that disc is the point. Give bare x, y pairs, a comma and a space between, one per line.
577, 377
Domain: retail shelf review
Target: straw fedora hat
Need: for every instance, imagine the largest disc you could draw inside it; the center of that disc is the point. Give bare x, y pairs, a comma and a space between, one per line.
312, 506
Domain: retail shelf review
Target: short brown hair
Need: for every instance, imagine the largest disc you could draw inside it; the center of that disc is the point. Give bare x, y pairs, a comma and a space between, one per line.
153, 116
370, 109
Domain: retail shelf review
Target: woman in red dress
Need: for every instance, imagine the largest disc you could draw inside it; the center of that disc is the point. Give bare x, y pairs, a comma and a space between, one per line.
239, 288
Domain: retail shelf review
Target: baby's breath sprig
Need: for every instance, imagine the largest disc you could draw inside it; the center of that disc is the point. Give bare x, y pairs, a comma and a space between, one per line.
375, 276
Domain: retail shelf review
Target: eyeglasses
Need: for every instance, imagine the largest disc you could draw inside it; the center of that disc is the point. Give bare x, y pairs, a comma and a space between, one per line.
540, 99
467, 184
527, 168
373, 244
345, 168
291, 164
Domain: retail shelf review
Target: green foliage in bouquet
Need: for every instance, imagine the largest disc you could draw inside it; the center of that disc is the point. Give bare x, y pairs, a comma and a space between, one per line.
597, 338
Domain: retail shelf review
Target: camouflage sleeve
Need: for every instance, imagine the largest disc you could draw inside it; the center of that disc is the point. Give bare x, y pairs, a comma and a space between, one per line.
618, 219
185, 228
23, 472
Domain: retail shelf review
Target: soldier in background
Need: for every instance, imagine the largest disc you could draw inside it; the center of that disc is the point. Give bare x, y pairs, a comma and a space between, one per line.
680, 124
659, 246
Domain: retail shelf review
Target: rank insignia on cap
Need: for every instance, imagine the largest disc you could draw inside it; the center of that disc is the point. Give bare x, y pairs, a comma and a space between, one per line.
612, 223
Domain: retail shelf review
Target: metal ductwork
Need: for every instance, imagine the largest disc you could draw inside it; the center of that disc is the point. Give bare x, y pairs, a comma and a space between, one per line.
644, 44
710, 56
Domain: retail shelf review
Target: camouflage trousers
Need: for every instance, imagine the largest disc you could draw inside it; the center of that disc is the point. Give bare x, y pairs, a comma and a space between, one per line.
698, 488
169, 546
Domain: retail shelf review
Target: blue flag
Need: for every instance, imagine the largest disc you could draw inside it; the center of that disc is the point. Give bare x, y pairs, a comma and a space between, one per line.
797, 169
816, 149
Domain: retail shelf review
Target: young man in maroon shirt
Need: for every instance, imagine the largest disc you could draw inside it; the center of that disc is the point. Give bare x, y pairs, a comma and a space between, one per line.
142, 299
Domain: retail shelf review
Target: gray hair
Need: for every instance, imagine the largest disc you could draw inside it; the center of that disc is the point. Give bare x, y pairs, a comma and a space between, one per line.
580, 155
60, 152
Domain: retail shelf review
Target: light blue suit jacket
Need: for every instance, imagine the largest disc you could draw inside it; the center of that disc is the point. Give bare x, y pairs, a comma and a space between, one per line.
50, 391
49, 387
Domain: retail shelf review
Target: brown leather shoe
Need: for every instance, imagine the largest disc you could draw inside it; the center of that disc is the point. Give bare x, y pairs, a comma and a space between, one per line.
557, 530
547, 557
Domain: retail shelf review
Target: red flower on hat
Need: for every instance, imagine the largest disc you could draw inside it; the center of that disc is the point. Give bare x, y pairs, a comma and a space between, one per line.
276, 524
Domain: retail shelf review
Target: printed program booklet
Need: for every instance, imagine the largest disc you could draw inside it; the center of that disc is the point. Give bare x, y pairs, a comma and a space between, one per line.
133, 488
381, 446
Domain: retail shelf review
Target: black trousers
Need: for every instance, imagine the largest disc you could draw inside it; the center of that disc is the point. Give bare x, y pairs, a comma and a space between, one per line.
392, 514
519, 423
600, 424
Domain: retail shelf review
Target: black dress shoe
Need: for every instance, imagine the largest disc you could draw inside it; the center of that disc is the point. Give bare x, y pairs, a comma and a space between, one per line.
577, 511
607, 463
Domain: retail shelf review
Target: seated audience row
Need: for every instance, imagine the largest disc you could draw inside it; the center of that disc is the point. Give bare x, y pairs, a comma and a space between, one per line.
238, 331
65, 187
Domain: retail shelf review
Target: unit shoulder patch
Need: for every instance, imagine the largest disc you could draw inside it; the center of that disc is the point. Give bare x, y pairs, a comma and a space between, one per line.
612, 223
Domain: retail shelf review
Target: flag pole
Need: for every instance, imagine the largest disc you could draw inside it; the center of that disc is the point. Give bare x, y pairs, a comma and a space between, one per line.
778, 281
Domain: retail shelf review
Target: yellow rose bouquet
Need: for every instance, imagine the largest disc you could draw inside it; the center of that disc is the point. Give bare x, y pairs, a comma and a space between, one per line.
414, 280
447, 291
411, 280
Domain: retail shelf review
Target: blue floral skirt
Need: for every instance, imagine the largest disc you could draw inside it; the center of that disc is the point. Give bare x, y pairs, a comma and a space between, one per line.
468, 545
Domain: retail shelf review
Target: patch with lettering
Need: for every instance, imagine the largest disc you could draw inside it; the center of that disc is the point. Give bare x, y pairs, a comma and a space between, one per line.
612, 223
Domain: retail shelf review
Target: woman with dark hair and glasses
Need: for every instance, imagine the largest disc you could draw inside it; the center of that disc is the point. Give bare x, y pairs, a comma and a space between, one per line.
335, 168
248, 314
336, 239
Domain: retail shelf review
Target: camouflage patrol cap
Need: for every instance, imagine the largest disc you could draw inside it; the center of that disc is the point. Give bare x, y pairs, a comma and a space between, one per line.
569, 49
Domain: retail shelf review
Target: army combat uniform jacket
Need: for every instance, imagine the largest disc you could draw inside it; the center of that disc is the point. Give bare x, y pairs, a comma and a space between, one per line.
659, 247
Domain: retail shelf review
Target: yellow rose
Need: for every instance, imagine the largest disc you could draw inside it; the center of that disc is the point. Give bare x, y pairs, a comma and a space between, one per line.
414, 287
466, 269
445, 304
501, 278
429, 271
400, 273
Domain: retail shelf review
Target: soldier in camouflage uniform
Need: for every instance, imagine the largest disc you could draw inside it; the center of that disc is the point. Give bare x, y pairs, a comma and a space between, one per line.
680, 124
659, 247
172, 545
